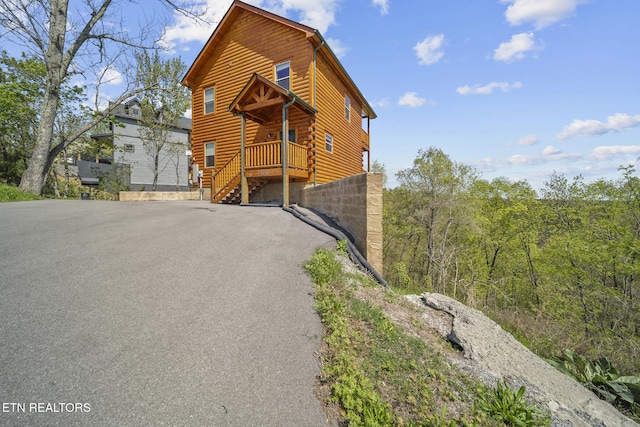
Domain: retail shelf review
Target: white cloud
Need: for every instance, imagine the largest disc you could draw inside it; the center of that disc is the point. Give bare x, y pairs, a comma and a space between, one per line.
429, 51
541, 13
186, 29
109, 76
338, 47
609, 152
382, 103
528, 140
383, 4
550, 150
516, 48
488, 89
411, 99
616, 123
549, 155
318, 14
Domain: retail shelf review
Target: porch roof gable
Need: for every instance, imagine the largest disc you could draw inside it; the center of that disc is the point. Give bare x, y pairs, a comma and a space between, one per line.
261, 100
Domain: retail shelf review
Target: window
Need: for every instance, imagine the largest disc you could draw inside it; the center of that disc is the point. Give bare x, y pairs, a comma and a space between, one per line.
292, 135
135, 111
129, 148
282, 75
328, 139
209, 101
209, 154
347, 108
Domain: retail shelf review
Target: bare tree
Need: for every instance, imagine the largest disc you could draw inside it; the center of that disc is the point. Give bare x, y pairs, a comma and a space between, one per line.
91, 40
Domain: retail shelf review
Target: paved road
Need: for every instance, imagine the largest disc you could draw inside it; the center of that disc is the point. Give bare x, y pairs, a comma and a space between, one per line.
157, 313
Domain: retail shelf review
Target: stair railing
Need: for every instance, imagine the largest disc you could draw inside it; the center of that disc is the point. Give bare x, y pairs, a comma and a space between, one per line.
221, 179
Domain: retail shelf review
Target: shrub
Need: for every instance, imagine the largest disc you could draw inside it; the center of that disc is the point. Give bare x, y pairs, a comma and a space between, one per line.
603, 379
13, 194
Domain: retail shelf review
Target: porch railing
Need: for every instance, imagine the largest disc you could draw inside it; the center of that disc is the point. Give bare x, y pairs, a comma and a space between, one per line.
267, 155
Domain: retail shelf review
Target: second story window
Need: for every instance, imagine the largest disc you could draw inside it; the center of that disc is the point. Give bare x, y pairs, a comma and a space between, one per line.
209, 105
283, 72
347, 108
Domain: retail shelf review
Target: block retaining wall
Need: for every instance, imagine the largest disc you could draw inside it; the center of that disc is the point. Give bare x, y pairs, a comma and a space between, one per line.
354, 203
148, 196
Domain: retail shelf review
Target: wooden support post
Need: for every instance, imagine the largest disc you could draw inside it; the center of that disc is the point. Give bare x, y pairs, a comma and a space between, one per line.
369, 144
285, 148
244, 192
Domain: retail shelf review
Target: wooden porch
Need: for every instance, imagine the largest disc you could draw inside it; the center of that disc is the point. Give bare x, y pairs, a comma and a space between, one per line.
256, 164
263, 164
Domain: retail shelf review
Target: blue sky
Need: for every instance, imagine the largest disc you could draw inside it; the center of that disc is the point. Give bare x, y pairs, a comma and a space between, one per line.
514, 88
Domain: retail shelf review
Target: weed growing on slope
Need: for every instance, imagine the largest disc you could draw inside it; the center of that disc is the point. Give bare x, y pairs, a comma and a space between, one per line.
601, 377
381, 376
510, 407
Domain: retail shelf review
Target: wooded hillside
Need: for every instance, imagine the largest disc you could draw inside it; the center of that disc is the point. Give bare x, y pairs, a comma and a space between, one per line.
558, 269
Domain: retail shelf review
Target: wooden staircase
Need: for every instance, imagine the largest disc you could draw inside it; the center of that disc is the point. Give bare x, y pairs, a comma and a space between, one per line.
226, 183
234, 195
262, 165
225, 180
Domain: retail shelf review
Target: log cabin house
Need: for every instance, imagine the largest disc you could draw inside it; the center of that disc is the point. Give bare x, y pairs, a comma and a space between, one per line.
273, 106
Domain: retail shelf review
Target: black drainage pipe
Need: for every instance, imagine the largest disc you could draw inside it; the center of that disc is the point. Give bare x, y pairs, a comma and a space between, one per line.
354, 254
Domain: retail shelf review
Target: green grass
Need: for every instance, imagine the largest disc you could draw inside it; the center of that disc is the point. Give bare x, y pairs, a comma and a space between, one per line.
13, 194
379, 375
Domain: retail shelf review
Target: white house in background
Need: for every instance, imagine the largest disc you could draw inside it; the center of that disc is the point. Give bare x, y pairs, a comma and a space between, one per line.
129, 151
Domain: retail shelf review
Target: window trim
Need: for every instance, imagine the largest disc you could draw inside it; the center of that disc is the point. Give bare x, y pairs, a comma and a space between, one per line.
328, 142
212, 101
213, 156
275, 75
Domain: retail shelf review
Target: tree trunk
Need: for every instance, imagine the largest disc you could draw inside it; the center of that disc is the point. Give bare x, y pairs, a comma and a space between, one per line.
35, 176
156, 161
54, 177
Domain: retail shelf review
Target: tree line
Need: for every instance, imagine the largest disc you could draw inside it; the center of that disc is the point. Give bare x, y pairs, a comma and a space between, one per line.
22, 82
92, 40
558, 269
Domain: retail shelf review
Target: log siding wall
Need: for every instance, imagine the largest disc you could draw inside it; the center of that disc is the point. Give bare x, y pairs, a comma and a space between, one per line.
346, 157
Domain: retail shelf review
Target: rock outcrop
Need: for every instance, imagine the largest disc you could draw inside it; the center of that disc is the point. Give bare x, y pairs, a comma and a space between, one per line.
492, 354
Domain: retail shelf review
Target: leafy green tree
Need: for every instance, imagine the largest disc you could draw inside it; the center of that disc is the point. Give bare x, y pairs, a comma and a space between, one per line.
592, 263
437, 191
21, 88
162, 107
504, 236
379, 167
86, 42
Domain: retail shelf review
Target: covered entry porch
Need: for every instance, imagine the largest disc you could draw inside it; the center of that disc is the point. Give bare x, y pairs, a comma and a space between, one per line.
259, 163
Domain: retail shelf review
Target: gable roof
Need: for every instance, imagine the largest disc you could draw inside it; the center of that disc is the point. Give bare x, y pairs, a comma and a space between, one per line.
125, 111
312, 35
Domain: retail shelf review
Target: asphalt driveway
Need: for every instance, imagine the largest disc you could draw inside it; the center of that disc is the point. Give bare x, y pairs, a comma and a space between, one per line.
156, 313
